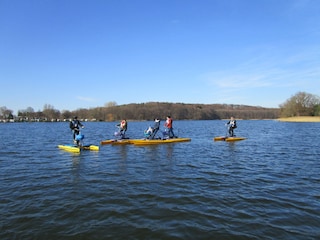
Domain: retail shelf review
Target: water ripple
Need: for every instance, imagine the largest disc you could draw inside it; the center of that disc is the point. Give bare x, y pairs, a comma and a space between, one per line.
266, 187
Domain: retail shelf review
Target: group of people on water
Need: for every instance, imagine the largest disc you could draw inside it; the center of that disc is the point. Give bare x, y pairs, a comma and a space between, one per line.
150, 133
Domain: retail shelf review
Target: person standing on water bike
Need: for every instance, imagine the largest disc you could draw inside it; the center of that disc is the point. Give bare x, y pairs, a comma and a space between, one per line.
168, 125
155, 128
123, 126
75, 125
232, 124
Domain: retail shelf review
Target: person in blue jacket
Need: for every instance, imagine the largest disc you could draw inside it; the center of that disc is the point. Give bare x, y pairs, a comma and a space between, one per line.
155, 128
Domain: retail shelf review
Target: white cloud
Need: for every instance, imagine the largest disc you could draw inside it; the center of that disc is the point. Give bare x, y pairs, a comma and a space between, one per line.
274, 69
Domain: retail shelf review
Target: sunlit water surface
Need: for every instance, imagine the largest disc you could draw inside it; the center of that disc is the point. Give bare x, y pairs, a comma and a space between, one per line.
265, 187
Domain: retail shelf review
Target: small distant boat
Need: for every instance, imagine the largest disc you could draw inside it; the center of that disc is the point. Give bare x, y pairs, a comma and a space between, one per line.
228, 139
77, 149
159, 141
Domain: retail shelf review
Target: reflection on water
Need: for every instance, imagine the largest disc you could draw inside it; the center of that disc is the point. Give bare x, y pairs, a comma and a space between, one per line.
169, 151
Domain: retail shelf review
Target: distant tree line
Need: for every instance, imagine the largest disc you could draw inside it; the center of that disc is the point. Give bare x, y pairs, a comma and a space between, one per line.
147, 111
182, 111
300, 104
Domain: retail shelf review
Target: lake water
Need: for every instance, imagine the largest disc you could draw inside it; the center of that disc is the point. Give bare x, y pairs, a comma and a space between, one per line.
265, 187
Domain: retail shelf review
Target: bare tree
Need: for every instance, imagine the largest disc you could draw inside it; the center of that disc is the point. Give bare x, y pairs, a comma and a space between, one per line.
300, 104
6, 113
110, 104
66, 114
50, 113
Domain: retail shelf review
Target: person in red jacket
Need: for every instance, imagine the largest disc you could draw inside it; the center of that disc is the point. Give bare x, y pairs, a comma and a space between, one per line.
168, 125
123, 126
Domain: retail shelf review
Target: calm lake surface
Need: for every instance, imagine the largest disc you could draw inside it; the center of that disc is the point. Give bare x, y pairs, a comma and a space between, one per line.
265, 187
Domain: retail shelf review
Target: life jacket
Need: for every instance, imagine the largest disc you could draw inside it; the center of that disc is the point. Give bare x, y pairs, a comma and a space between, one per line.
169, 123
156, 125
233, 124
123, 124
74, 124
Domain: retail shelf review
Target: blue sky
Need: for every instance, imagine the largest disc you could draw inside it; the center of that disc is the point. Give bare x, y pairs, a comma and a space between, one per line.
81, 54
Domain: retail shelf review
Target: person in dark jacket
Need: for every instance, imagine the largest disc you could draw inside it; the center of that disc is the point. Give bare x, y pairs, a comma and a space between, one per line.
232, 124
75, 125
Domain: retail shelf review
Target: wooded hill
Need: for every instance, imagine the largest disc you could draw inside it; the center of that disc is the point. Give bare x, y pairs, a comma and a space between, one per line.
178, 111
300, 104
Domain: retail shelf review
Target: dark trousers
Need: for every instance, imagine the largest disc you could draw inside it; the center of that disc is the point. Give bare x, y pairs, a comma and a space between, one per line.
171, 134
231, 134
154, 132
76, 132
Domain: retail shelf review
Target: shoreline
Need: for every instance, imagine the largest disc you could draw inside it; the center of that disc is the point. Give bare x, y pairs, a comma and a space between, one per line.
300, 119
